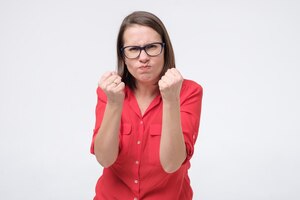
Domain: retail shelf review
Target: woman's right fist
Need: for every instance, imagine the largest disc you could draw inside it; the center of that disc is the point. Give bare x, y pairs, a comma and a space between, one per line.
112, 85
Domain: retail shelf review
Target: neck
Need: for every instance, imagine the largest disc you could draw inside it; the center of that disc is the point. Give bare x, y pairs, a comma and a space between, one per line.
146, 90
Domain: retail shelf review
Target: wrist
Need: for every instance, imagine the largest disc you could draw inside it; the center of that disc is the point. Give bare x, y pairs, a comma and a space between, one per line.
171, 102
115, 106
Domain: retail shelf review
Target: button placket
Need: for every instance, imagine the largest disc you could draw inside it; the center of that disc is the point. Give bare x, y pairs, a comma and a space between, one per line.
138, 155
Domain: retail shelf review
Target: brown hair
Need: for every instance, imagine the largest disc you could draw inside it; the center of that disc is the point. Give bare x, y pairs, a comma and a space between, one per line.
150, 20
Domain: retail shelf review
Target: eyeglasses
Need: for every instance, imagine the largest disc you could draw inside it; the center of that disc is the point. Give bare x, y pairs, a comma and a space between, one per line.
152, 49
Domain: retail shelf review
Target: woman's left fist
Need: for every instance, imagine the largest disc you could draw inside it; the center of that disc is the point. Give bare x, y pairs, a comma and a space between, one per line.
170, 85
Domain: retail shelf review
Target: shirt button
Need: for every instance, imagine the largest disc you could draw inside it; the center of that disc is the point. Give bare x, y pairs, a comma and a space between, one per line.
136, 181
141, 122
137, 162
138, 142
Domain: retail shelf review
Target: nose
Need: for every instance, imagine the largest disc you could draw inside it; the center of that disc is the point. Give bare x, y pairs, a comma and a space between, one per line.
143, 56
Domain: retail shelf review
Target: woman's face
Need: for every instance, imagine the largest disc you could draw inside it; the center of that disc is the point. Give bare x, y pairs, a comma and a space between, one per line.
145, 69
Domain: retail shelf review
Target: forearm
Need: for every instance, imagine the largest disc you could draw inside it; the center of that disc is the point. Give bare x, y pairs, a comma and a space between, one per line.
172, 146
107, 140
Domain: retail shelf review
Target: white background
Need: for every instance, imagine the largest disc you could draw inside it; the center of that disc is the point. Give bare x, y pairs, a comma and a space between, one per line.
245, 54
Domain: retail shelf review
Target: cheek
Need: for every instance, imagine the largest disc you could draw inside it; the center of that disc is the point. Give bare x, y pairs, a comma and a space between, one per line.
129, 64
160, 63
130, 67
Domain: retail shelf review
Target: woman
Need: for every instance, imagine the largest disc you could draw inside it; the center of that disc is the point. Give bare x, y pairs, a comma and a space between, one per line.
147, 118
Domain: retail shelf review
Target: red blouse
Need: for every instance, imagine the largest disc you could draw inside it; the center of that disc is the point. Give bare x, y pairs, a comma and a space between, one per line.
137, 173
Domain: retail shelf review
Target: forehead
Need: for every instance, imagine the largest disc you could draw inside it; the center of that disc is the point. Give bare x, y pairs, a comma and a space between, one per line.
140, 35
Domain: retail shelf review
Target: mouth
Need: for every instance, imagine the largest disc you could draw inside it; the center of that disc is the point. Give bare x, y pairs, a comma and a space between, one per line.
144, 68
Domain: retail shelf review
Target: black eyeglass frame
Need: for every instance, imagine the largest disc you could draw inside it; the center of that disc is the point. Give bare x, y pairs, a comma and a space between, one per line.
144, 48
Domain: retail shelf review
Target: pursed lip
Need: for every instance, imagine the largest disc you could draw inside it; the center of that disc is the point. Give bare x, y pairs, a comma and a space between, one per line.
144, 67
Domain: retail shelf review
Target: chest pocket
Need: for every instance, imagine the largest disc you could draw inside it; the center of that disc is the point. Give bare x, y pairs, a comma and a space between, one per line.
154, 144
125, 138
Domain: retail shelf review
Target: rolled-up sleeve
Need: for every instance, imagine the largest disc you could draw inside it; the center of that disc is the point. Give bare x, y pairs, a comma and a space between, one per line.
99, 112
190, 111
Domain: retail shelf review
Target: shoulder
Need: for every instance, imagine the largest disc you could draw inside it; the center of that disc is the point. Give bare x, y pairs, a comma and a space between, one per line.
190, 86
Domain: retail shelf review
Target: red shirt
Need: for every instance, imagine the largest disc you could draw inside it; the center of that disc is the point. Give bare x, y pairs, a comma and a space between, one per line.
137, 173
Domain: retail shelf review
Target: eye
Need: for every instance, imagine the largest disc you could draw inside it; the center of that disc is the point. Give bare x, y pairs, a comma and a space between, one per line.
133, 49
152, 46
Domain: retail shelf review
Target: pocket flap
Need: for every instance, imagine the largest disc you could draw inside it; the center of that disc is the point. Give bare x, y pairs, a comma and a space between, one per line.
155, 129
126, 129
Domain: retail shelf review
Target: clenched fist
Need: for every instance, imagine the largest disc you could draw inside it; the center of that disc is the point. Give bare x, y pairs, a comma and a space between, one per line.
113, 87
170, 85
